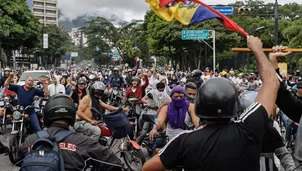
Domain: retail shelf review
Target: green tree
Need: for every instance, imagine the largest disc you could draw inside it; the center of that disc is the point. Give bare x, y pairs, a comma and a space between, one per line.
18, 27
58, 44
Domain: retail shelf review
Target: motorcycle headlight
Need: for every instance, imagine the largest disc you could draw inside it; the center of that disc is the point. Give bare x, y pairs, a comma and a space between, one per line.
17, 115
21, 109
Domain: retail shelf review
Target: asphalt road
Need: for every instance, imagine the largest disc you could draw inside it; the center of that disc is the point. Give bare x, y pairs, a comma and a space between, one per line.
5, 164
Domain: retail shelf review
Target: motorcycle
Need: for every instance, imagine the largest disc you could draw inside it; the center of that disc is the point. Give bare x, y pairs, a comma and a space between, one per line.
154, 146
39, 110
132, 115
146, 126
115, 97
21, 128
129, 150
5, 119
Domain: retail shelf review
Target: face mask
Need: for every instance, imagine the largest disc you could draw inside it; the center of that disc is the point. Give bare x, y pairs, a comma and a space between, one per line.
178, 102
159, 94
191, 98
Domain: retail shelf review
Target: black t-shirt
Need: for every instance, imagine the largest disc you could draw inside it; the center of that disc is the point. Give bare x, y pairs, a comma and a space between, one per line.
234, 146
272, 140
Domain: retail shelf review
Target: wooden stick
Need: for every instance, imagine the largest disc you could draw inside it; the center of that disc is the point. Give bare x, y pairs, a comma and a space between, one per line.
266, 50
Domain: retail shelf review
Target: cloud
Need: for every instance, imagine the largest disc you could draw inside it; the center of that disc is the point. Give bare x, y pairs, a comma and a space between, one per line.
125, 9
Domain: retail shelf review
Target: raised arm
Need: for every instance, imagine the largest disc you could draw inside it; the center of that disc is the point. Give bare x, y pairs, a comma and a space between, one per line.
286, 102
270, 83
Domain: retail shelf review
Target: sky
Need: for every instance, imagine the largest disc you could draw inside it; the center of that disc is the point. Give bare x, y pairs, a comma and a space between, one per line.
125, 9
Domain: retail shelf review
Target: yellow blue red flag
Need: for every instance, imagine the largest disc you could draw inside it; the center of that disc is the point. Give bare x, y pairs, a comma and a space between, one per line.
191, 11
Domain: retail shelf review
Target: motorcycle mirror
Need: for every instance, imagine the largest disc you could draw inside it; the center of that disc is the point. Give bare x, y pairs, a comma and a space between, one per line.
298, 144
150, 96
36, 98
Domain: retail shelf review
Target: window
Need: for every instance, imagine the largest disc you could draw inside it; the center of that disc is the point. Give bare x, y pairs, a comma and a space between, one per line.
51, 18
51, 5
38, 3
35, 75
51, 12
38, 10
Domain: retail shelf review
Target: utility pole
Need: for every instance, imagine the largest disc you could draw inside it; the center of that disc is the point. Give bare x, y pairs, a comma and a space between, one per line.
276, 23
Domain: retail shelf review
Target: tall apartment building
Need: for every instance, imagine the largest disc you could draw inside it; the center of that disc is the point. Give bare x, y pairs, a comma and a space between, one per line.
46, 10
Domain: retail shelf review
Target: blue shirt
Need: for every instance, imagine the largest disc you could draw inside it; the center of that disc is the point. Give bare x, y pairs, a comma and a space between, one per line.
68, 90
25, 98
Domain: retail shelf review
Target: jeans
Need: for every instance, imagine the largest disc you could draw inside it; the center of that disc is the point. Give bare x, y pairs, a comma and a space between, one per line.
288, 126
34, 120
87, 129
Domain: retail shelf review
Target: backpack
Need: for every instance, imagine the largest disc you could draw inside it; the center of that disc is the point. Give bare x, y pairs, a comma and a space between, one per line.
45, 154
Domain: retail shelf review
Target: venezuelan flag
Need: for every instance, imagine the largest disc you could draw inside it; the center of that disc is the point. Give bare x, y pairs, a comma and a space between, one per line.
137, 62
190, 12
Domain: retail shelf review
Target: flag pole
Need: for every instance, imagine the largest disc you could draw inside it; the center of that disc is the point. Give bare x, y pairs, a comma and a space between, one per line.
294, 50
214, 49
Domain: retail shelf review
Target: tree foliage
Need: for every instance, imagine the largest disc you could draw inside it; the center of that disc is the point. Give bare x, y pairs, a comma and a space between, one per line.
18, 27
58, 43
155, 37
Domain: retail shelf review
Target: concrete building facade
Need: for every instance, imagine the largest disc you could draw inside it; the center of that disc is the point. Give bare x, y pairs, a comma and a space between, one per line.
45, 10
78, 38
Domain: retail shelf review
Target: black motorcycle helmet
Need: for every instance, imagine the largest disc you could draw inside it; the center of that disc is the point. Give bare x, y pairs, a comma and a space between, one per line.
97, 89
59, 107
216, 99
196, 73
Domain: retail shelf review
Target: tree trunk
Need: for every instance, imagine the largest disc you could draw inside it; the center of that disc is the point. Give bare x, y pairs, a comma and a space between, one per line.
4, 57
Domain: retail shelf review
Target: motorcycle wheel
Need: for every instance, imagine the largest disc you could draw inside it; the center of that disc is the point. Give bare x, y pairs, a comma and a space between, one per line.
134, 159
13, 148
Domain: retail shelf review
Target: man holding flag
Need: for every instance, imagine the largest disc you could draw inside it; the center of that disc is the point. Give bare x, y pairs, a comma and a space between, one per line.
220, 144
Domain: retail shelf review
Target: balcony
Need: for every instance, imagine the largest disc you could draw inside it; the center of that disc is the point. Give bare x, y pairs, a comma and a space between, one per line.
38, 7
50, 5
39, 14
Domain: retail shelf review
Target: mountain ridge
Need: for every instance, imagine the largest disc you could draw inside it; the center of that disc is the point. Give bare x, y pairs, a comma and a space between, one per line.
81, 21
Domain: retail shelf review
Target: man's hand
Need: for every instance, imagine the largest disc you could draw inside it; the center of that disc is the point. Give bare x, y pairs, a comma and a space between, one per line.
1, 111
11, 74
277, 52
254, 43
126, 110
94, 122
45, 83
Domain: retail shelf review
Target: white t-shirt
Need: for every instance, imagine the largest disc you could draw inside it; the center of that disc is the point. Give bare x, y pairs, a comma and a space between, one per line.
205, 77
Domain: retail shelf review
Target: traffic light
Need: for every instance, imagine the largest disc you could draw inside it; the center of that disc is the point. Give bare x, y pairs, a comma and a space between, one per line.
244, 10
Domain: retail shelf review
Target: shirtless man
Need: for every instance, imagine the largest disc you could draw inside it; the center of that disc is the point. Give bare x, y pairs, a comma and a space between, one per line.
85, 122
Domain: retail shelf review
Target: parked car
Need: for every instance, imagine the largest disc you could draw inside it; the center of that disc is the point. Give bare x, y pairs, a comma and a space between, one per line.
36, 74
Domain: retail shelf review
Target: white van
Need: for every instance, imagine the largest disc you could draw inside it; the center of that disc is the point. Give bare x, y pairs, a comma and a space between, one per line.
36, 74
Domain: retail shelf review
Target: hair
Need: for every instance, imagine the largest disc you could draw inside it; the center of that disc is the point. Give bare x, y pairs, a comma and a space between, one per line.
28, 77
160, 85
191, 85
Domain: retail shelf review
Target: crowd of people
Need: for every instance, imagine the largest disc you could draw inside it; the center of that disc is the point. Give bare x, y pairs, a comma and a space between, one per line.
215, 120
